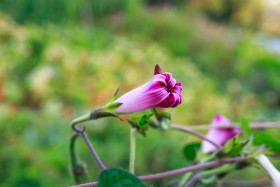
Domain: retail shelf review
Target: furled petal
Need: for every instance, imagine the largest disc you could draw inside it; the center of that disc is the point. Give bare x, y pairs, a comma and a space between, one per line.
219, 136
160, 91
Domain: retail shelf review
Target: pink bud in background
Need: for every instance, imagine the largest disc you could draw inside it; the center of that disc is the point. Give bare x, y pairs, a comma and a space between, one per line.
160, 91
219, 136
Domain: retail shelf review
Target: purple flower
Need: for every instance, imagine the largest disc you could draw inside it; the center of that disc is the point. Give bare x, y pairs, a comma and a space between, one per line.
219, 136
160, 91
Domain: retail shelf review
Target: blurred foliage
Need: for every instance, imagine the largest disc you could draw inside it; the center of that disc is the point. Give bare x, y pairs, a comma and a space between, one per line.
61, 59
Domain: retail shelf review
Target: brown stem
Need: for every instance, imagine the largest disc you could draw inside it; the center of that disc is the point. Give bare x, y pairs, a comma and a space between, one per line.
185, 129
178, 171
253, 125
91, 149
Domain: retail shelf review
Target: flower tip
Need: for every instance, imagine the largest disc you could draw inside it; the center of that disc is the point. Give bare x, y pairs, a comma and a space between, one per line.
157, 69
220, 120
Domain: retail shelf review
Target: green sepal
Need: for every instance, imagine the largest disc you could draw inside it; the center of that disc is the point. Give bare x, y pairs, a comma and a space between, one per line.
165, 114
233, 147
165, 124
113, 98
143, 120
162, 115
100, 113
142, 130
113, 106
141, 123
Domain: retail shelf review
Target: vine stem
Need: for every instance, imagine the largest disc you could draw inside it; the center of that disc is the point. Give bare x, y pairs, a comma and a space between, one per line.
193, 181
83, 134
178, 171
132, 150
92, 151
261, 182
186, 129
253, 125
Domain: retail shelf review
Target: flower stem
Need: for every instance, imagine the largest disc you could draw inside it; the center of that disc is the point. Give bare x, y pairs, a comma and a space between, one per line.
193, 181
189, 169
178, 171
132, 150
77, 167
83, 134
253, 125
186, 129
78, 120
260, 182
222, 169
92, 151
188, 176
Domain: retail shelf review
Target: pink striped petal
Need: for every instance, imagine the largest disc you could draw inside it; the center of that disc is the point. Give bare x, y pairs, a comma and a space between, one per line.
160, 91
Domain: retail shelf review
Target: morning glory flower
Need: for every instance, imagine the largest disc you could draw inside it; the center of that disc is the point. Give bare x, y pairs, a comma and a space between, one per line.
219, 136
161, 91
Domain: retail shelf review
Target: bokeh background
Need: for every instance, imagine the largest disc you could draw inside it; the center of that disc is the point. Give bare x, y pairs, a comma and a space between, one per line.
61, 59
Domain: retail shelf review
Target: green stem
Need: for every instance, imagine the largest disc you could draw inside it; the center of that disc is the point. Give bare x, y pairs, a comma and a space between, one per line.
77, 167
209, 176
73, 155
86, 139
222, 169
185, 179
188, 176
132, 150
83, 118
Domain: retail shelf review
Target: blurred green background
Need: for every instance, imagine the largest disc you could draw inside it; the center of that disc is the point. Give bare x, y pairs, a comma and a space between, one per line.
61, 59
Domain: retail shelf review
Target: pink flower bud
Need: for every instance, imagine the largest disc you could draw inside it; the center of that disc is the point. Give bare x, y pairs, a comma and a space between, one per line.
219, 136
160, 91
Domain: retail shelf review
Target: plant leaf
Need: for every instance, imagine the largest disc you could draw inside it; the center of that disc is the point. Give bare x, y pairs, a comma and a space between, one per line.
116, 177
143, 120
190, 151
262, 138
234, 147
245, 127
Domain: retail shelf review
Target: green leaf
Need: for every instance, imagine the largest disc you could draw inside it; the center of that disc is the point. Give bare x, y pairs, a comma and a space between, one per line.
228, 146
190, 151
116, 177
143, 120
245, 127
234, 147
262, 138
